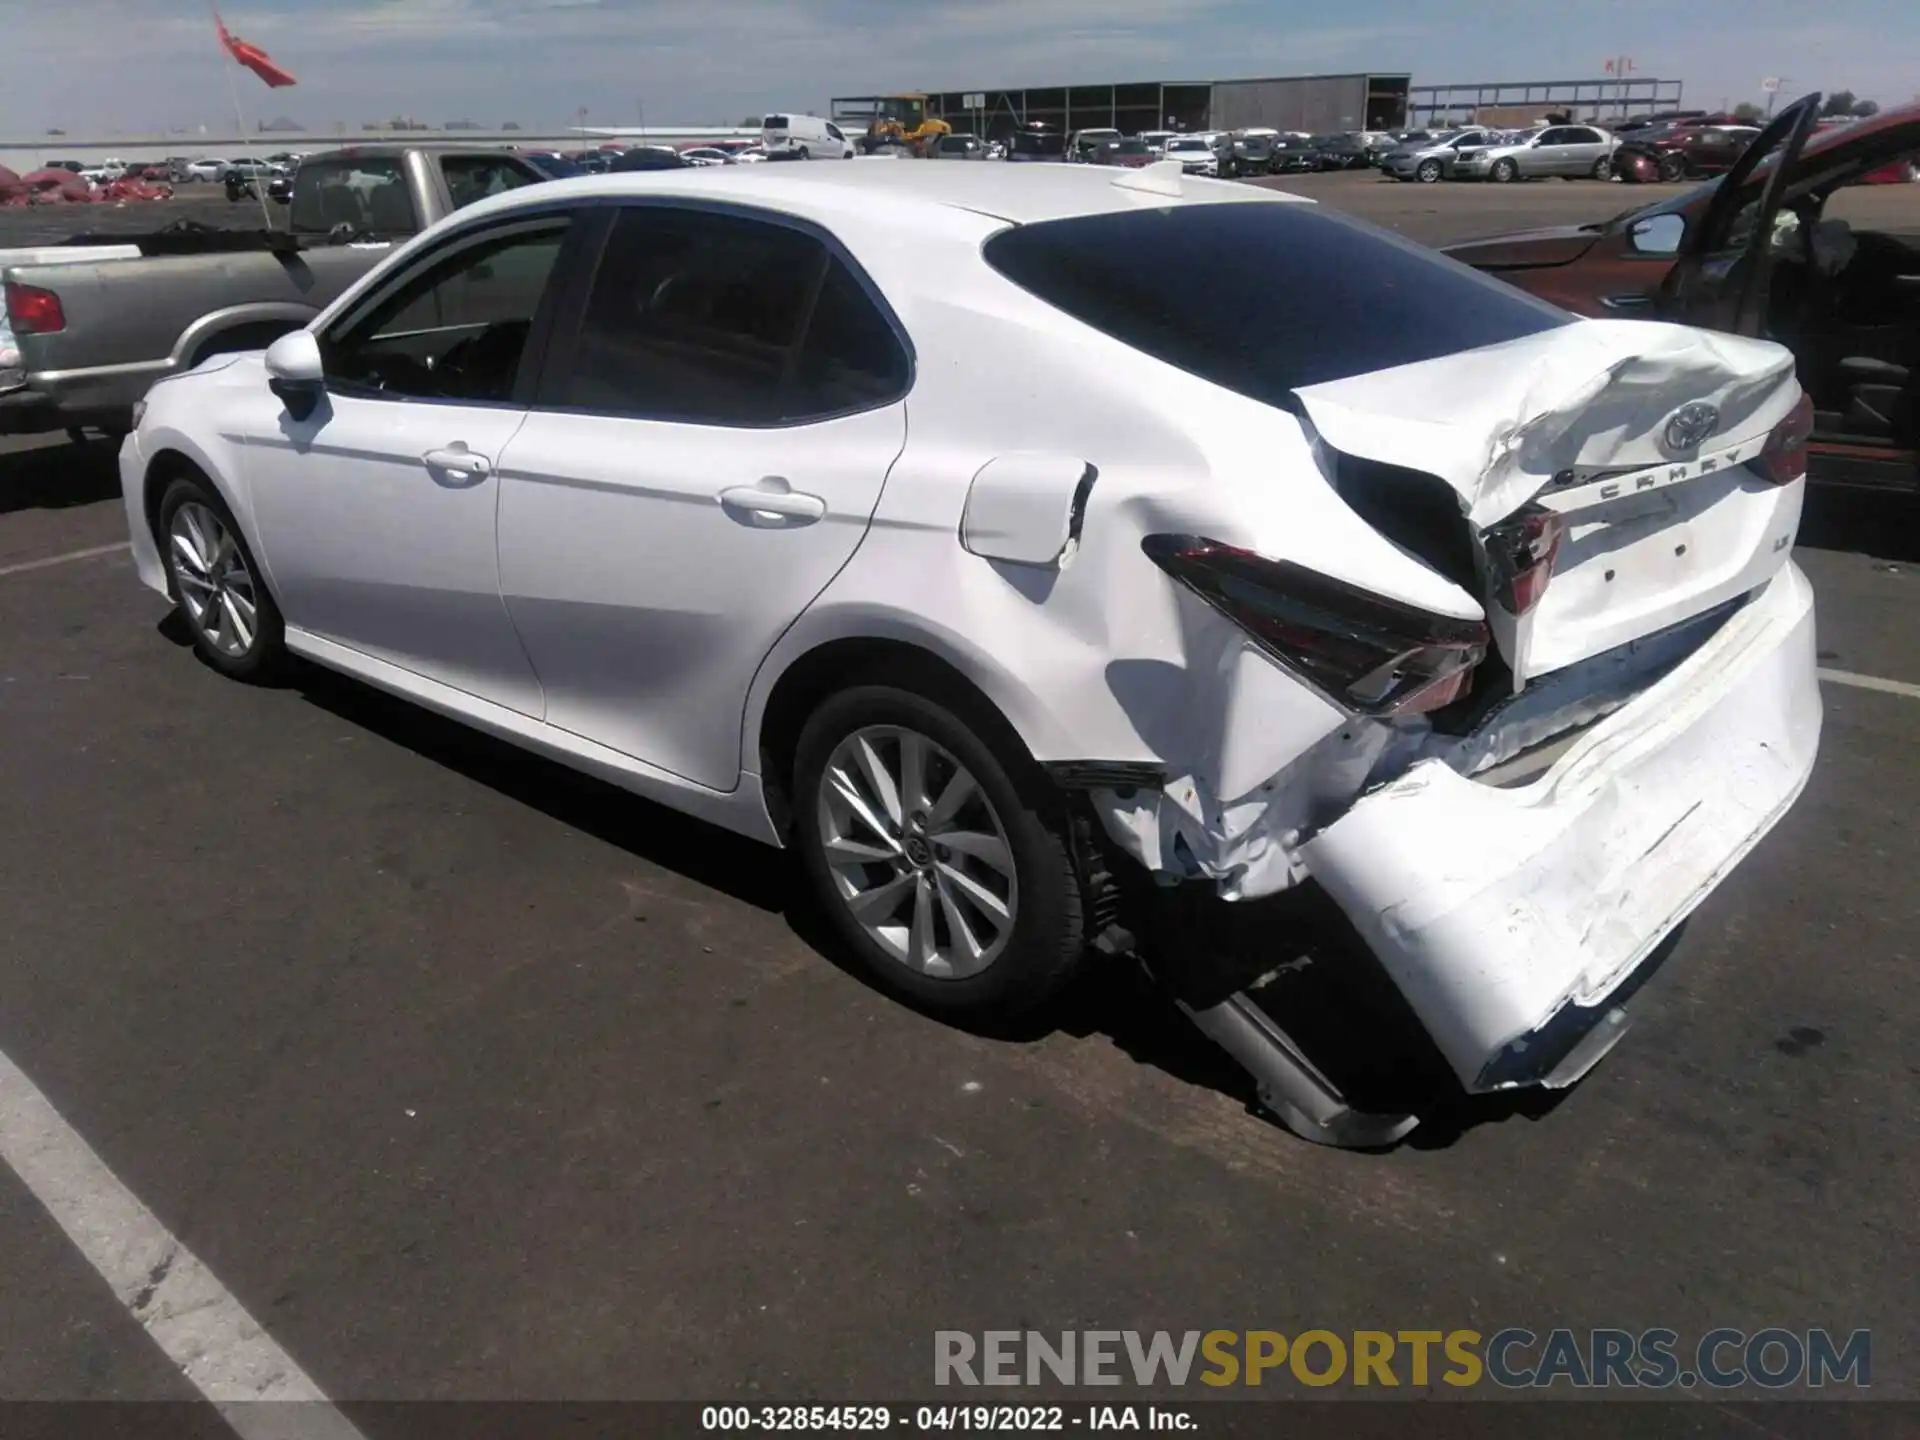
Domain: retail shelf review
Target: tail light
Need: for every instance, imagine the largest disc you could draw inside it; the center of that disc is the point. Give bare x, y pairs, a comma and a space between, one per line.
33, 311
1520, 555
1784, 460
1366, 653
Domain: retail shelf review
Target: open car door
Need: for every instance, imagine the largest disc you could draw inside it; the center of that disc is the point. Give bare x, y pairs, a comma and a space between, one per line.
1720, 279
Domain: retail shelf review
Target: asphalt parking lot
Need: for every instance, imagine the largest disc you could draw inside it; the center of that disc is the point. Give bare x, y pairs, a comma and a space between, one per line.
474, 1079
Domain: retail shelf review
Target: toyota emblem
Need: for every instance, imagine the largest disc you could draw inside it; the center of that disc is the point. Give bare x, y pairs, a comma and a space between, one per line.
1691, 424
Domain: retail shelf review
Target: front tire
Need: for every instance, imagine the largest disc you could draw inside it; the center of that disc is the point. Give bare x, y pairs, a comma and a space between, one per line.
1673, 169
937, 854
1504, 172
1428, 172
217, 584
1603, 168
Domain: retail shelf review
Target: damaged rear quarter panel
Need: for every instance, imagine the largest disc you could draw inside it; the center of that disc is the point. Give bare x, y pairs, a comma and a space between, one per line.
1102, 657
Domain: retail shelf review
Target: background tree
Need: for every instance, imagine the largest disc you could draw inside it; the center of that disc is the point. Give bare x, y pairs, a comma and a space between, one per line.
1747, 110
1840, 102
1866, 108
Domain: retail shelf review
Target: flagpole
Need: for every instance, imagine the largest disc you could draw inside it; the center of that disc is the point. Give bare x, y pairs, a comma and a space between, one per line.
227, 63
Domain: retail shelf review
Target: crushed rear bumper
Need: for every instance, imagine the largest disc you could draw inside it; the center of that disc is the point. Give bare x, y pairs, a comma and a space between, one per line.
1507, 917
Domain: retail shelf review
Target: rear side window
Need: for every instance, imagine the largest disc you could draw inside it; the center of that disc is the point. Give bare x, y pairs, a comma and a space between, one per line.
475, 177
364, 195
1335, 297
720, 320
850, 359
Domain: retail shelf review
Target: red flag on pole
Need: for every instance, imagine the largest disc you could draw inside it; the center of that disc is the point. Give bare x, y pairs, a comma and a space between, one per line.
251, 56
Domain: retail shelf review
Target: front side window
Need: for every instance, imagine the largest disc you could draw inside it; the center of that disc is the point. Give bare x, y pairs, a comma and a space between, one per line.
707, 319
834, 132
455, 330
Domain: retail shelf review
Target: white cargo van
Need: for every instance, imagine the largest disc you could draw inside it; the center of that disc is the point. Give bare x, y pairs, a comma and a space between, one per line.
817, 139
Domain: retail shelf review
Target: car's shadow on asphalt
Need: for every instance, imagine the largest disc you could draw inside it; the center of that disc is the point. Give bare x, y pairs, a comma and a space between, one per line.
59, 477
1323, 985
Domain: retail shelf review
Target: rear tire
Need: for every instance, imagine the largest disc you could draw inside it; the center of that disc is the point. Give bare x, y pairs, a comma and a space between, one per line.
939, 856
217, 584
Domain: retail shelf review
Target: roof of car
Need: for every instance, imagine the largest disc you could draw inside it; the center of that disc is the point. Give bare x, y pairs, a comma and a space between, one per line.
1022, 194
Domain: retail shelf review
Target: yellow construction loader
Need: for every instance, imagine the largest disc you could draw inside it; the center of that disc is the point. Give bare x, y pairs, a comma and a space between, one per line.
902, 120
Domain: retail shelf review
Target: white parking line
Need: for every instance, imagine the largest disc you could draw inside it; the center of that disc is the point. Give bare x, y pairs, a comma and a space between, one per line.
180, 1303
1871, 682
67, 559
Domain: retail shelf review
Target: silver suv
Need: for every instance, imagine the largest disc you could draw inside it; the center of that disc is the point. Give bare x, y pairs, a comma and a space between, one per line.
1566, 150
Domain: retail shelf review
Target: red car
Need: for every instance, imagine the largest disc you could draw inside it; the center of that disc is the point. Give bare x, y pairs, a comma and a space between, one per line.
1133, 154
1682, 151
1751, 253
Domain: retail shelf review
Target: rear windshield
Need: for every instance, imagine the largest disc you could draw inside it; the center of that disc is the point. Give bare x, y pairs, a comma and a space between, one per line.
1039, 144
774, 122
1264, 298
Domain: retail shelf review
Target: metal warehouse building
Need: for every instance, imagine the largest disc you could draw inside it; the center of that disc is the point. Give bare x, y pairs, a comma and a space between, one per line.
1314, 103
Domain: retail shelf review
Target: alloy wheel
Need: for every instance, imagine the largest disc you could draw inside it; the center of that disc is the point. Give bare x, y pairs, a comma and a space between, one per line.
916, 852
216, 588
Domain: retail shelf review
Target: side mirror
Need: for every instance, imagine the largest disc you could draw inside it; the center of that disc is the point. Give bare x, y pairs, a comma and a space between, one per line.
1658, 234
294, 359
295, 372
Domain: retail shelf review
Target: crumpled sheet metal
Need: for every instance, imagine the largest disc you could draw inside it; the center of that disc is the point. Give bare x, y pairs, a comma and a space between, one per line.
49, 187
1246, 844
1498, 423
1249, 845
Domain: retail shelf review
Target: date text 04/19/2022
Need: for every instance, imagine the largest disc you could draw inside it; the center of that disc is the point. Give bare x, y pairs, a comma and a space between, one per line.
942, 1418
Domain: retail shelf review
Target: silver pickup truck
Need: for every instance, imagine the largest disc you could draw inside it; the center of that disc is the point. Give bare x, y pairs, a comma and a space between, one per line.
82, 338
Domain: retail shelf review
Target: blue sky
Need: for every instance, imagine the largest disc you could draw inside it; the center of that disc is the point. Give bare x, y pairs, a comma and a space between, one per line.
89, 65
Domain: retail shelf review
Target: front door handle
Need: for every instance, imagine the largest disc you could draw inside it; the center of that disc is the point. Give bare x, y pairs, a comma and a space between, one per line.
458, 459
774, 496
1627, 302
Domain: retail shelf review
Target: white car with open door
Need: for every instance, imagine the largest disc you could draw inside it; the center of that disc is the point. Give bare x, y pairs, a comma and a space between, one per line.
1392, 580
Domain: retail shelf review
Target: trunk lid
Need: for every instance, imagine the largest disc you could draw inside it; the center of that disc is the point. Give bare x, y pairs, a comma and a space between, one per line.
1637, 435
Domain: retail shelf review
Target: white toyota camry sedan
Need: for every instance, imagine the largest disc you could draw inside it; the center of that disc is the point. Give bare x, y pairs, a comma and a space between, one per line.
975, 532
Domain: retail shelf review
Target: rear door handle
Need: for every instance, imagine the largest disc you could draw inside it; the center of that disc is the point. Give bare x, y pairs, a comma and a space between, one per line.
458, 460
774, 496
1627, 302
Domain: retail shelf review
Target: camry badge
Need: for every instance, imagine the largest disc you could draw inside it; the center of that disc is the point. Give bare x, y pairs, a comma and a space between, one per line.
1688, 426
